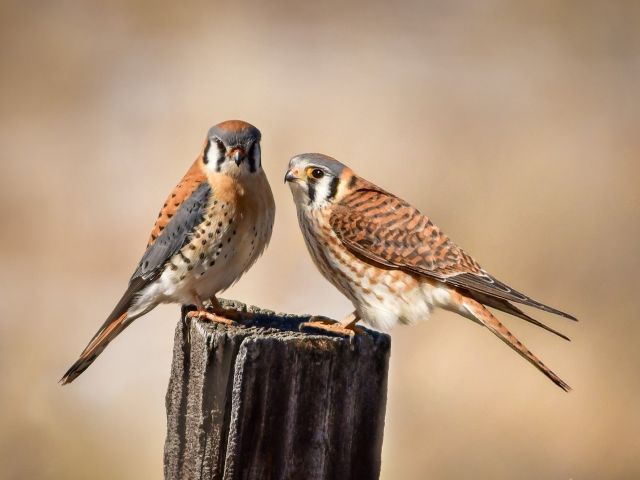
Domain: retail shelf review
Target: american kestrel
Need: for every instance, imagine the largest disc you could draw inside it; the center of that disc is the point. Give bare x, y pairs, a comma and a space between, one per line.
391, 261
212, 228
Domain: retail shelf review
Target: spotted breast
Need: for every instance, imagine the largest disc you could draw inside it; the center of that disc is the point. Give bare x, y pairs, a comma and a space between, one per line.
233, 233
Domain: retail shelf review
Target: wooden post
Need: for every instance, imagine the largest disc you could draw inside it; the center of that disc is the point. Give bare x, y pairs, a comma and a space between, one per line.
265, 401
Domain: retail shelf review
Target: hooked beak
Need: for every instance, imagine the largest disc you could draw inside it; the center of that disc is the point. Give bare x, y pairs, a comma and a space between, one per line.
291, 175
238, 155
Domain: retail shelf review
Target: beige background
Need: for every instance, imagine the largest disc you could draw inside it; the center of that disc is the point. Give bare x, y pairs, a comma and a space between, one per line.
514, 125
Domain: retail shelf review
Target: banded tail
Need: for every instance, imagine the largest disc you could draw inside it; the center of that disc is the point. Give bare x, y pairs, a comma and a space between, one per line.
110, 330
481, 314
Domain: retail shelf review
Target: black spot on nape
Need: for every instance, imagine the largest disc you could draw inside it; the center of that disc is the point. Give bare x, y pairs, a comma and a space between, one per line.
352, 181
333, 187
205, 155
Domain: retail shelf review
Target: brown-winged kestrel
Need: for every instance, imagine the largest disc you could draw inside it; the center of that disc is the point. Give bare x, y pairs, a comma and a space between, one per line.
212, 228
391, 261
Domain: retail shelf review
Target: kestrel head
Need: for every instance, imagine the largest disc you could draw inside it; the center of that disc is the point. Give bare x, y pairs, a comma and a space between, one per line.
233, 148
318, 180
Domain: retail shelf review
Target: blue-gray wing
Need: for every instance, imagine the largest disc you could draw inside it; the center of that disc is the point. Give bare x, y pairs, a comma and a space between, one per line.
171, 238
175, 235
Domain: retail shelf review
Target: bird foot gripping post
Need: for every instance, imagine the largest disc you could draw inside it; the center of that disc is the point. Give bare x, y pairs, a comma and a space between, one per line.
262, 400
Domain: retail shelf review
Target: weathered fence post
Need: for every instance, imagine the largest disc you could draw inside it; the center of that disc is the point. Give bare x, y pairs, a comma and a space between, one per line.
265, 401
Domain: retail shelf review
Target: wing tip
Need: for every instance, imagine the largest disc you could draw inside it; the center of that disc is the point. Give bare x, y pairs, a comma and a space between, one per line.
563, 385
73, 373
560, 313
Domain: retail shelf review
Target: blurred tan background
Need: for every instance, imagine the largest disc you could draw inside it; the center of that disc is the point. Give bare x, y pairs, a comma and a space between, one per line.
514, 125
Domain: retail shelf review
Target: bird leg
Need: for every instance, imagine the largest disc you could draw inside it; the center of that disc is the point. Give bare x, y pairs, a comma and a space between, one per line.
346, 327
219, 314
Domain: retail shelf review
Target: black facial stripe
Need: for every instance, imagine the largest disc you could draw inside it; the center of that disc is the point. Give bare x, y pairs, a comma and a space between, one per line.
312, 192
205, 156
253, 160
333, 187
221, 154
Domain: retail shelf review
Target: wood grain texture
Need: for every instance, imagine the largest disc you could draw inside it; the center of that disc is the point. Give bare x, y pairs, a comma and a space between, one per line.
265, 401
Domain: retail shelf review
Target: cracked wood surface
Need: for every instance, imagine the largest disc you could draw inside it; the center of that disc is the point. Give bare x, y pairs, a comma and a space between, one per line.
266, 401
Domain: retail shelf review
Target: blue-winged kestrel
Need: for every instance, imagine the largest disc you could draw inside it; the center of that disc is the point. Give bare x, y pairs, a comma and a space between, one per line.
391, 261
212, 228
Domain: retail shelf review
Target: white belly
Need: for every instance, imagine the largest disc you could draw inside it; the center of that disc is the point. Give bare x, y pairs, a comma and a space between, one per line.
384, 309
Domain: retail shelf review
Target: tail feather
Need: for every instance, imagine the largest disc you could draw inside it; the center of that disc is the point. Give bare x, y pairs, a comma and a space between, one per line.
481, 314
98, 343
116, 322
507, 307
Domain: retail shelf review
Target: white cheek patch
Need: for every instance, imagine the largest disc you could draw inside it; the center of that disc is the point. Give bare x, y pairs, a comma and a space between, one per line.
322, 188
214, 156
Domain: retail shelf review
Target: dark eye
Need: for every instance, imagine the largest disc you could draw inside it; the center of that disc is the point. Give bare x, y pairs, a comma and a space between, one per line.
317, 173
